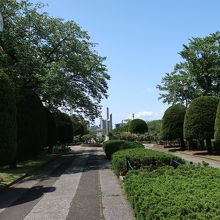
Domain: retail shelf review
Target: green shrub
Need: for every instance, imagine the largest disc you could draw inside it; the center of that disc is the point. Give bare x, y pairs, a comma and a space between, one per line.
138, 126
172, 123
140, 158
64, 127
186, 192
51, 128
32, 124
114, 145
8, 125
217, 129
200, 119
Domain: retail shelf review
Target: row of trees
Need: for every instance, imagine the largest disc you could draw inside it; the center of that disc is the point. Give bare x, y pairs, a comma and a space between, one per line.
46, 64
201, 121
26, 126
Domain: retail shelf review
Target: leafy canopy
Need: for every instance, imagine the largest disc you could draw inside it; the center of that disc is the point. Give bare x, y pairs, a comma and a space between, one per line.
198, 74
52, 56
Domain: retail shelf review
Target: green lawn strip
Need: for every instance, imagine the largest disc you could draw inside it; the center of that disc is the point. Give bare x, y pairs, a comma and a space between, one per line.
8, 176
187, 192
140, 158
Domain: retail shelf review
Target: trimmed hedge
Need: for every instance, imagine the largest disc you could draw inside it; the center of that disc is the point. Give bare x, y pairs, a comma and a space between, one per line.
115, 145
217, 129
138, 126
200, 119
172, 123
51, 134
8, 124
32, 124
139, 158
64, 127
187, 192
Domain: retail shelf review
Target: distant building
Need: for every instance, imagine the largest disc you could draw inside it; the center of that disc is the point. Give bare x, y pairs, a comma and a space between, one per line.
106, 124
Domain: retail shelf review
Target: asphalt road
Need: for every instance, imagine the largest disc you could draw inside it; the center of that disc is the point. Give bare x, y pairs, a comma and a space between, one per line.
80, 185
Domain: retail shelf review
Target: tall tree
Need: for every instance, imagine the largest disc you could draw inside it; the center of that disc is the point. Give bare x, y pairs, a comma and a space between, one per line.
53, 57
198, 74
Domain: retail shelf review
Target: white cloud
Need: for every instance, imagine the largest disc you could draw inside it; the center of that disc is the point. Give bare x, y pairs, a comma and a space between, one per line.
148, 115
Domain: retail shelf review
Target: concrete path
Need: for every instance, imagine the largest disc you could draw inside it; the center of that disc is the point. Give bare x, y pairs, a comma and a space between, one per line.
188, 157
80, 185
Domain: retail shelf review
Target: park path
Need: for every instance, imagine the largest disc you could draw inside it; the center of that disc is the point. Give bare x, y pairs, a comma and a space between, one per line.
80, 185
189, 156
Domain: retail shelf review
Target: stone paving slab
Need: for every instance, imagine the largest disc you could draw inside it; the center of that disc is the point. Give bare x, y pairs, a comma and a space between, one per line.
115, 204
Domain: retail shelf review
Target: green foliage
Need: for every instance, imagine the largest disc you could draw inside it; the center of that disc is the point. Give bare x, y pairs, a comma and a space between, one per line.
200, 118
52, 56
32, 124
217, 129
51, 130
198, 71
138, 126
186, 192
141, 158
122, 128
115, 145
64, 127
8, 125
154, 126
172, 122
79, 125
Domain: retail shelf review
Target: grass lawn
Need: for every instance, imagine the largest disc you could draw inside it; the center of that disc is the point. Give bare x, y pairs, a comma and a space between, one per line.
9, 175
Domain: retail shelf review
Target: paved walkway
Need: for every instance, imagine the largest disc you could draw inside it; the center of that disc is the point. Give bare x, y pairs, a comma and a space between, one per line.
186, 155
80, 185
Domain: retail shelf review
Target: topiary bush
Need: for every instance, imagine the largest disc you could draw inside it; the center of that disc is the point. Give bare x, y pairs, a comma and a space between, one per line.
138, 126
115, 145
8, 124
172, 123
124, 160
200, 119
64, 127
32, 124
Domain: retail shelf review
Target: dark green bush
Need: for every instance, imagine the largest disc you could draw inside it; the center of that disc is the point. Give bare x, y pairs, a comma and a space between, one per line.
51, 128
200, 119
32, 124
217, 129
140, 158
138, 126
172, 123
114, 145
186, 192
64, 127
8, 125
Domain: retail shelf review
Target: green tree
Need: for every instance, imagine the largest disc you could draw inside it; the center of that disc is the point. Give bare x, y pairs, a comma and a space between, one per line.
172, 123
199, 71
53, 57
8, 125
138, 126
200, 119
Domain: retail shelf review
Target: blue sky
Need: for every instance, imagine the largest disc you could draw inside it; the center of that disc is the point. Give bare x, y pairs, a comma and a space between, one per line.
141, 40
